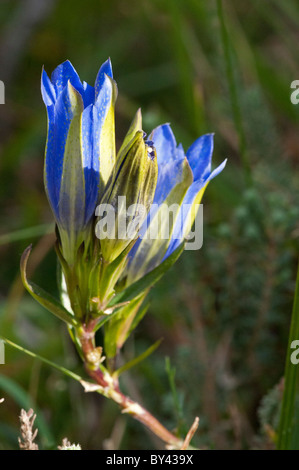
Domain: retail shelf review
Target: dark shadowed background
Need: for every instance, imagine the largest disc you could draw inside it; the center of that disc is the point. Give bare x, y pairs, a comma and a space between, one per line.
223, 311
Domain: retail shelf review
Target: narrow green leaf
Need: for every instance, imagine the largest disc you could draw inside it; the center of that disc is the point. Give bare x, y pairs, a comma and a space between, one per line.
137, 359
286, 425
107, 317
24, 233
45, 299
177, 403
233, 91
88, 386
148, 280
65, 371
140, 314
105, 276
135, 126
118, 328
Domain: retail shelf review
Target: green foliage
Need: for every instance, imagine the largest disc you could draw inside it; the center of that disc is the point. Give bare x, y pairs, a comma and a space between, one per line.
224, 312
288, 426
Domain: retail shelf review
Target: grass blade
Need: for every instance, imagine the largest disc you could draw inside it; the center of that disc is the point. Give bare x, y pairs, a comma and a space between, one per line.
65, 371
288, 426
26, 233
233, 91
137, 359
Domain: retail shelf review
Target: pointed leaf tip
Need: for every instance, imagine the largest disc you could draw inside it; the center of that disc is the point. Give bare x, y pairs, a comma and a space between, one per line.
147, 281
41, 296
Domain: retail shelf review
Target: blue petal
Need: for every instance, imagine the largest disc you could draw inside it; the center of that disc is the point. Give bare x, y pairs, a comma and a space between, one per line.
53, 194
62, 74
180, 153
48, 91
90, 161
93, 118
88, 94
170, 161
59, 117
216, 171
105, 69
199, 156
165, 143
169, 175
180, 225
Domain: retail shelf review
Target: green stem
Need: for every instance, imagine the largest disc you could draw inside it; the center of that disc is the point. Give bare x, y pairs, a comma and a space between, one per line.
109, 387
286, 425
43, 359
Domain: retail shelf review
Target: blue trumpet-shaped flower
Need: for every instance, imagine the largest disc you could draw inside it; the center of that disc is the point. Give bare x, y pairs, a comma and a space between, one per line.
182, 180
80, 149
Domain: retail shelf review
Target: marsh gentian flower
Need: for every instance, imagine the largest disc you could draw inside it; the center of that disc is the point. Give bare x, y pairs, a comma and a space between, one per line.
182, 180
130, 193
80, 149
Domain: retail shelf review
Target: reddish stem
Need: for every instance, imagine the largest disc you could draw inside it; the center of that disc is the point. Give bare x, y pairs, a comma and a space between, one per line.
111, 390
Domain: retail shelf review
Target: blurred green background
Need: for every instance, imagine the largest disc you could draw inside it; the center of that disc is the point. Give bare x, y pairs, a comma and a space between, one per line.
224, 311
